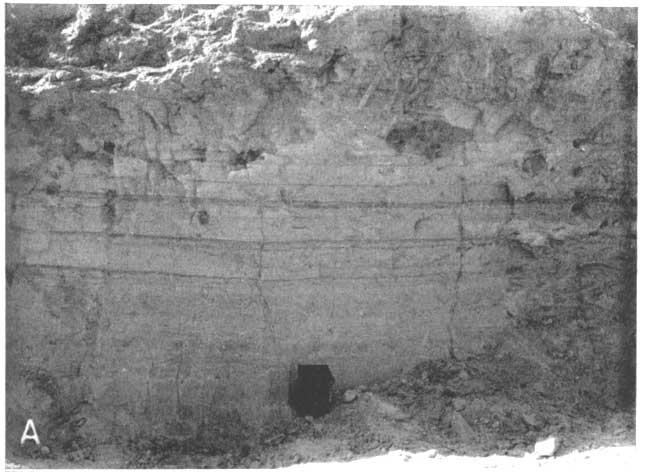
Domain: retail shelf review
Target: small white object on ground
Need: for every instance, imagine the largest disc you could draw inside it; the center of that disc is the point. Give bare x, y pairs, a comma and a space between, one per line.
350, 395
547, 447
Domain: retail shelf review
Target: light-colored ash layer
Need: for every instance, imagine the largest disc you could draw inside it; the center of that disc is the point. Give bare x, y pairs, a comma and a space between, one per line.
200, 198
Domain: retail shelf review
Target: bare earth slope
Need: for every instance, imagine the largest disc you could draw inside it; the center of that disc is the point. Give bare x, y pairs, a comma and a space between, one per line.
200, 198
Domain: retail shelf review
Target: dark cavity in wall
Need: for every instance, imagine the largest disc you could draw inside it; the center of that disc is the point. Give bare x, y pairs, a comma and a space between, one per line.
428, 138
534, 162
311, 392
10, 271
73, 153
576, 171
53, 188
200, 153
203, 217
109, 207
506, 194
581, 199
108, 146
241, 159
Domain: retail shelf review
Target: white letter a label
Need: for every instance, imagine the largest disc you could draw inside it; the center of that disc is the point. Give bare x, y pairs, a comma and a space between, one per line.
26, 435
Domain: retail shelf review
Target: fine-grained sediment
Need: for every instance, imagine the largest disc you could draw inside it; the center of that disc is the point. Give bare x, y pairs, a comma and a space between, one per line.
200, 198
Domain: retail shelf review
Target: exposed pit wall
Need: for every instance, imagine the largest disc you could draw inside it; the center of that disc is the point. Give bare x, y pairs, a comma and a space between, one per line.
180, 237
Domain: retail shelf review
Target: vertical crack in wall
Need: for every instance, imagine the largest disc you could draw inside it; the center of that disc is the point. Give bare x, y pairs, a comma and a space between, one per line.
178, 402
458, 277
578, 282
264, 305
148, 404
510, 199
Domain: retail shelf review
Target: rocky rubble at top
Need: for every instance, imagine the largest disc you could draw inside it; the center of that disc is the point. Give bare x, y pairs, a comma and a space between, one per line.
428, 80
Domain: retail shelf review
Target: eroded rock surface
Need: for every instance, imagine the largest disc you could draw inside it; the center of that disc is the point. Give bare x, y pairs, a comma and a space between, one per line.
200, 198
